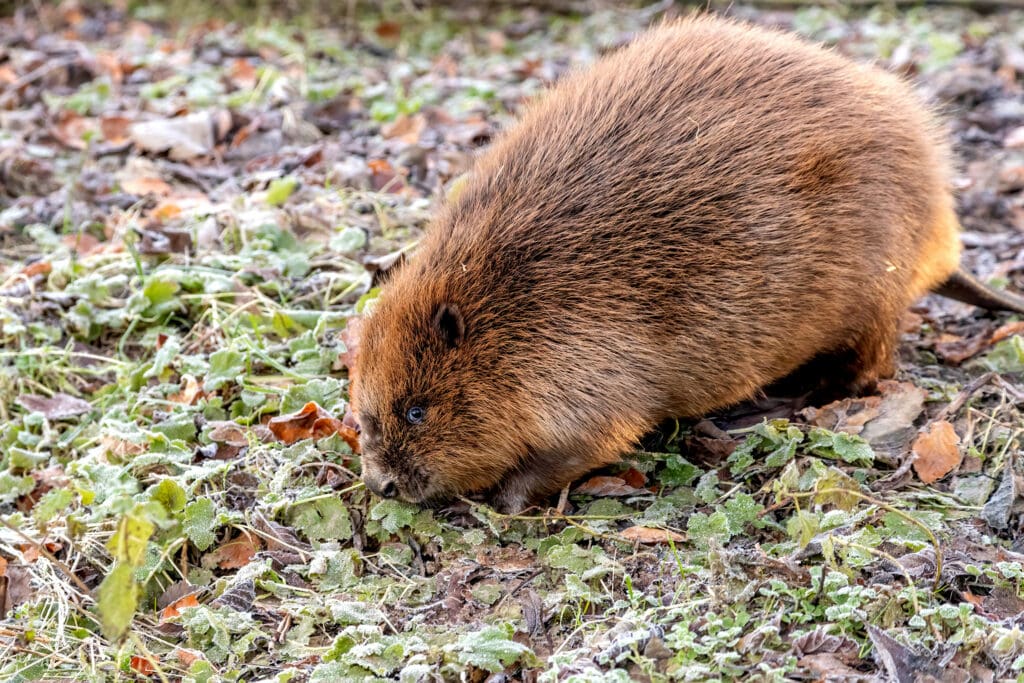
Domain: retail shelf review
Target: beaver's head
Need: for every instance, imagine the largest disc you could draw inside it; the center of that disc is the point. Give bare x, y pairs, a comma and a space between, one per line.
435, 401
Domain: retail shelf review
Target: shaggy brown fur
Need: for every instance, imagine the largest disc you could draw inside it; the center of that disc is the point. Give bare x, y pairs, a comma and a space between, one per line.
661, 235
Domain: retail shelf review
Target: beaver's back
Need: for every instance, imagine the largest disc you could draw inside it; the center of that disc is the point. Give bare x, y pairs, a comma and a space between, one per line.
690, 219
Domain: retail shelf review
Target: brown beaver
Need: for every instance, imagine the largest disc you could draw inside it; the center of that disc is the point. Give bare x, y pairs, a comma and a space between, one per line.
692, 218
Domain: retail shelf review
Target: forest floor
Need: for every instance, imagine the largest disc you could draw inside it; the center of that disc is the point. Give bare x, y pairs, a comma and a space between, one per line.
189, 214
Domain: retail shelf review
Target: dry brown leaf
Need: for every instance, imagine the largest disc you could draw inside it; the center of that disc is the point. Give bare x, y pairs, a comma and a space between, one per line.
634, 478
71, 129
190, 393
1007, 330
143, 665
186, 656
119, 447
82, 243
405, 128
174, 609
311, 422
56, 407
607, 486
37, 268
649, 535
115, 129
955, 349
242, 74
236, 553
937, 452
146, 186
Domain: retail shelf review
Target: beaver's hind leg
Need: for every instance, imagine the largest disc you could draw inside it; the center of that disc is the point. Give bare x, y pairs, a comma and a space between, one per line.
871, 358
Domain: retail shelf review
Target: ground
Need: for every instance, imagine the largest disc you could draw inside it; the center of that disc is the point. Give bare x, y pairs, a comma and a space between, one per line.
190, 212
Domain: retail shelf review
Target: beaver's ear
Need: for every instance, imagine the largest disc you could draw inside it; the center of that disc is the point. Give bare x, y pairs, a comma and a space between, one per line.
449, 324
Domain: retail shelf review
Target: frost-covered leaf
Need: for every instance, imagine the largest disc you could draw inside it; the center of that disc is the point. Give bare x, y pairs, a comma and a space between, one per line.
199, 522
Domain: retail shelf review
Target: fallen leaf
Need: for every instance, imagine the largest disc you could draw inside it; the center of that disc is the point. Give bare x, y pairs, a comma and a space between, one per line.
634, 478
115, 129
143, 665
311, 422
82, 243
190, 393
405, 128
607, 486
242, 74
184, 137
228, 432
649, 535
37, 268
72, 130
1007, 330
57, 407
174, 609
146, 186
937, 452
187, 657
388, 30
119, 447
234, 554
955, 349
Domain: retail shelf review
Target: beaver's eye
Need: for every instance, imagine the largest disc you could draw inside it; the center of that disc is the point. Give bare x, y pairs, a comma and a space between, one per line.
415, 415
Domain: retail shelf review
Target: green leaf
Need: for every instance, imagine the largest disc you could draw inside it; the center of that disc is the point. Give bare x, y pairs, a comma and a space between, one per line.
846, 447
225, 366
199, 522
702, 528
128, 544
117, 599
181, 426
679, 472
741, 510
169, 494
54, 502
328, 393
393, 514
161, 296
491, 649
1006, 356
322, 519
280, 190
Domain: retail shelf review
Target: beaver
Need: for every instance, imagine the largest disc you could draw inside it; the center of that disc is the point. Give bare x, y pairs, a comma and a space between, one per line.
695, 216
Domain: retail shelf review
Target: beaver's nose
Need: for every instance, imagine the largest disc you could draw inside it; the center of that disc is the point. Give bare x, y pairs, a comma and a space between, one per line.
381, 484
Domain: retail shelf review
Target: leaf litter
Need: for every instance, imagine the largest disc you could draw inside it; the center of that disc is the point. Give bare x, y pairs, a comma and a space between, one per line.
192, 217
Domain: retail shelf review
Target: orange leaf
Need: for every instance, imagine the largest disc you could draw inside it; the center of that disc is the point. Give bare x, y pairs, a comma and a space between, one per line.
174, 609
29, 552
634, 478
190, 394
37, 268
144, 665
166, 210
1007, 330
607, 486
242, 74
81, 242
146, 186
645, 534
937, 452
311, 422
186, 656
115, 129
237, 553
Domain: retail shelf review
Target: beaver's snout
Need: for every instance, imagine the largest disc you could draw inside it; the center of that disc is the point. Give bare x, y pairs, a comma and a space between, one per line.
379, 482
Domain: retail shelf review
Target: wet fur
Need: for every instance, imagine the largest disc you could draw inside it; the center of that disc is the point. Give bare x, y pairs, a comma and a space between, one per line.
660, 235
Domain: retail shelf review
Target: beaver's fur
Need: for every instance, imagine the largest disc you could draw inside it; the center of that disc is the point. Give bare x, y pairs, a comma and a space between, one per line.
661, 235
